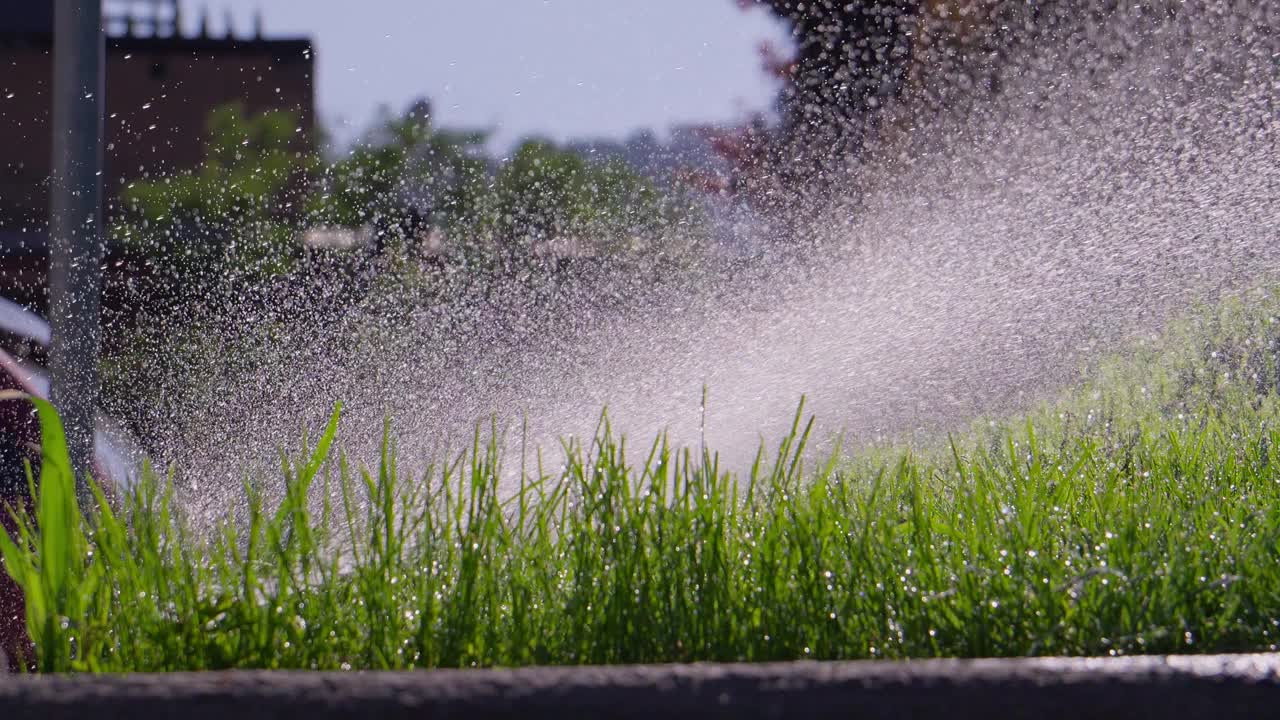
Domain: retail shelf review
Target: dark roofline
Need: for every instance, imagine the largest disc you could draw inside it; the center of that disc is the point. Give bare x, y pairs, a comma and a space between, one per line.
182, 43
284, 46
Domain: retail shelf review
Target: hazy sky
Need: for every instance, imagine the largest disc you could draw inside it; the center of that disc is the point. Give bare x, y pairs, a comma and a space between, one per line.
559, 68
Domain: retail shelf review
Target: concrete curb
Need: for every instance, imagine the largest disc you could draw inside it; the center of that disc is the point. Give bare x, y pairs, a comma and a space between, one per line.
1221, 686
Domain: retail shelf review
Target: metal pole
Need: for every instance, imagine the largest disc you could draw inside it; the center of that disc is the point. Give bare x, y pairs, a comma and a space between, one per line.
75, 220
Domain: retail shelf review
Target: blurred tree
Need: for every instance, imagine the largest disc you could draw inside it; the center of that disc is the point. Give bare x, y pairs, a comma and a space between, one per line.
553, 201
850, 57
409, 179
405, 178
406, 185
235, 214
211, 240
851, 60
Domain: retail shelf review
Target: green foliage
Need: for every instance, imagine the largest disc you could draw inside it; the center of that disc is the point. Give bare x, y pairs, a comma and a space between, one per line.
50, 558
234, 213
241, 213
545, 194
1140, 514
411, 177
407, 171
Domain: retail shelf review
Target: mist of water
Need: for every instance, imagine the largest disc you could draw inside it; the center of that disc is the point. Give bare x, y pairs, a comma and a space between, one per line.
1122, 172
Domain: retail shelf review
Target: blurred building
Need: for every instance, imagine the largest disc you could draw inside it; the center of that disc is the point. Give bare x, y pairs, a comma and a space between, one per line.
162, 80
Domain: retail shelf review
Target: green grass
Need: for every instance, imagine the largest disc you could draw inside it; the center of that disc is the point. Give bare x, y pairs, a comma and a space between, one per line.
1140, 513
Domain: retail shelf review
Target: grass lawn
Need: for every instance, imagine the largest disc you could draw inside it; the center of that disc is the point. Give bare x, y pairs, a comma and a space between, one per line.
1140, 513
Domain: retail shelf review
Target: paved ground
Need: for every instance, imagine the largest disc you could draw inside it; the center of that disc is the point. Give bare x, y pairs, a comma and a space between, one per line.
1218, 687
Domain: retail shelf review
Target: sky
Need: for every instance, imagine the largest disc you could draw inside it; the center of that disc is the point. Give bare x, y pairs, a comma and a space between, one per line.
553, 68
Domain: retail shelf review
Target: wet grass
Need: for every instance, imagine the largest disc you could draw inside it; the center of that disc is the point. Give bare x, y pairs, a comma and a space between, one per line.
1138, 514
